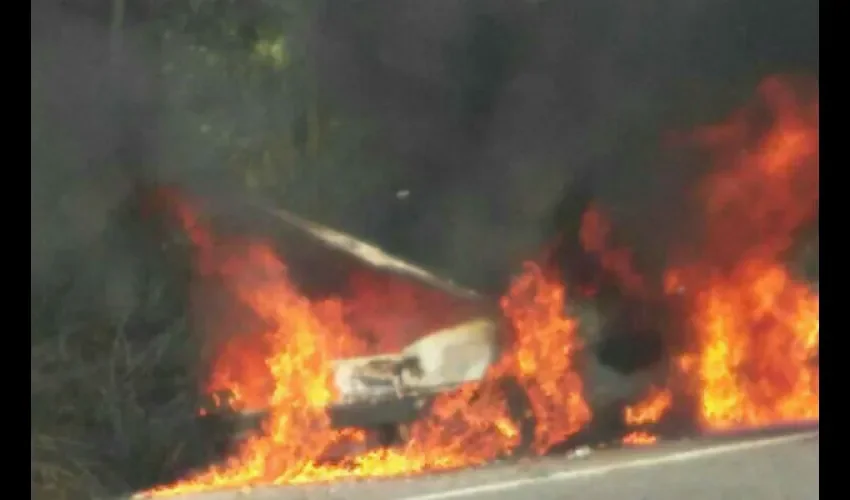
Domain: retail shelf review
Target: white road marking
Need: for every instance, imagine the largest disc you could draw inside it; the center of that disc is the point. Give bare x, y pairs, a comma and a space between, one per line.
567, 475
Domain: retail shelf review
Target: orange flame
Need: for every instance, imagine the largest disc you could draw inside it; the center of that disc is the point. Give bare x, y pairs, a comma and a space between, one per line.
651, 409
288, 371
595, 234
757, 332
756, 327
547, 342
639, 438
394, 312
648, 411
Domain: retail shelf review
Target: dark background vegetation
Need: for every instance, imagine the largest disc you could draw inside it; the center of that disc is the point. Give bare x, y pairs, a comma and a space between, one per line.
495, 115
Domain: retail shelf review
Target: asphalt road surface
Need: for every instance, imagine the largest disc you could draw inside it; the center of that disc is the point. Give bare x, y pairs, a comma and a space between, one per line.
783, 467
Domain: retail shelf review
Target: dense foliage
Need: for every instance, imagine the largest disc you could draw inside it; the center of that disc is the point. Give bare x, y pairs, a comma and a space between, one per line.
209, 94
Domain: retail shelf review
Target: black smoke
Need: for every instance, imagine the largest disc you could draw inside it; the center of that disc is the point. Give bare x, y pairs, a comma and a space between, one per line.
495, 108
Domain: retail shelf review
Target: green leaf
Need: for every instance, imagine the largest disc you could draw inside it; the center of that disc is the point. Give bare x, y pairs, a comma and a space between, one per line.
274, 52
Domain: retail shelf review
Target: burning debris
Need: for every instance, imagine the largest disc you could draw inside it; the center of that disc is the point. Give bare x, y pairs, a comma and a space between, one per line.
493, 381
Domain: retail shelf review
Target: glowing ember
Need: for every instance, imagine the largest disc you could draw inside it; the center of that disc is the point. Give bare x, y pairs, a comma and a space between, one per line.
650, 410
639, 438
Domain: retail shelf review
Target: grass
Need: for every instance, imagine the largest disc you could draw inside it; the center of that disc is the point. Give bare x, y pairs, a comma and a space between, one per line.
114, 397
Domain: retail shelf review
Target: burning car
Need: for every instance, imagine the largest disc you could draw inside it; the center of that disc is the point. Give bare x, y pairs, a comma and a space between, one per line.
412, 373
449, 338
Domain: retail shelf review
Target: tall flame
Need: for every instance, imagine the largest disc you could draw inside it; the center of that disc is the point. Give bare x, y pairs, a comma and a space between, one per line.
756, 327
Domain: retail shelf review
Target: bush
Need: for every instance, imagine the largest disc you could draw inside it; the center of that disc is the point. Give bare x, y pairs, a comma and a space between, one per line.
114, 389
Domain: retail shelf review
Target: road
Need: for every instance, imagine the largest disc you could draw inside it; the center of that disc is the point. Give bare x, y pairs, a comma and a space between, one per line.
781, 467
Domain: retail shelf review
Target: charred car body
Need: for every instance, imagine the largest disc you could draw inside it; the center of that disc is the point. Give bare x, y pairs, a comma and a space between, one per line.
387, 391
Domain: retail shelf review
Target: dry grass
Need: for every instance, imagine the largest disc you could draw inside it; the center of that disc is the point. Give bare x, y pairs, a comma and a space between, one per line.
114, 399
